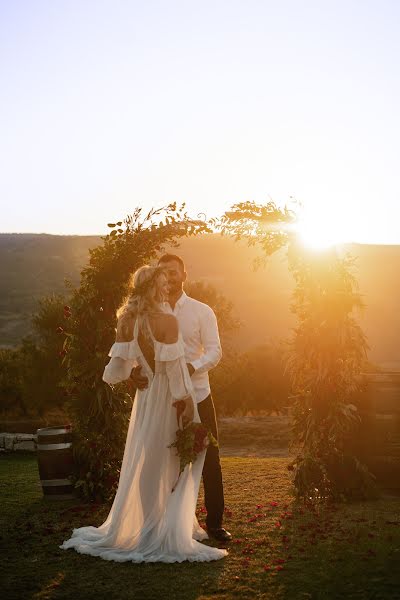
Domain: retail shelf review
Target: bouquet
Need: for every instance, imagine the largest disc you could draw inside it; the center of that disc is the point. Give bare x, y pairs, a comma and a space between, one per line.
190, 441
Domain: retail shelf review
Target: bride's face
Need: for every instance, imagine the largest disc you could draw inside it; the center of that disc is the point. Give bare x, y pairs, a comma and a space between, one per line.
162, 288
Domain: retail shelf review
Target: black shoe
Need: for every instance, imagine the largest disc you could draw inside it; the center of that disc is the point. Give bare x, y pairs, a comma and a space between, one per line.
220, 534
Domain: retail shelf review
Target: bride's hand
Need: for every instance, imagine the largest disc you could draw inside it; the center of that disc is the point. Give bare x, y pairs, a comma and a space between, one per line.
188, 413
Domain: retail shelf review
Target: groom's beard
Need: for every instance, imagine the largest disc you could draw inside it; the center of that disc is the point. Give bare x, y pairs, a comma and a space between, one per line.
174, 291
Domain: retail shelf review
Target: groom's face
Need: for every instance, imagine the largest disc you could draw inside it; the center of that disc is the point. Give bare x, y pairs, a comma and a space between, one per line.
176, 276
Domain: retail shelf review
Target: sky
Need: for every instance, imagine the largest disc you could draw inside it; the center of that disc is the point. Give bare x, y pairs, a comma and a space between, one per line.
106, 105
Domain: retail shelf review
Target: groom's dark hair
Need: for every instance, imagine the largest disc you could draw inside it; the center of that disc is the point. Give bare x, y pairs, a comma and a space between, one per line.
168, 257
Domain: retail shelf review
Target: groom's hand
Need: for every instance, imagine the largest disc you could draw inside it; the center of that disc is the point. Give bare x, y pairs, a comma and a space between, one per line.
137, 379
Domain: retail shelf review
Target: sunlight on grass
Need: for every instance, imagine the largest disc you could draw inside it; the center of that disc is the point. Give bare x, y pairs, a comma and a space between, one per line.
47, 592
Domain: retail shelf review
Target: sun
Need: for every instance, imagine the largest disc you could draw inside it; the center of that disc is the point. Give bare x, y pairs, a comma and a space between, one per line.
321, 231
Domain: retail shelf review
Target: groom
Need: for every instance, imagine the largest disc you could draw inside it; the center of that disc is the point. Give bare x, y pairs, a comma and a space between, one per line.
199, 329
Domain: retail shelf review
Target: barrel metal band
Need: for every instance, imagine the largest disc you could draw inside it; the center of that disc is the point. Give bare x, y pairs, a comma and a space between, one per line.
54, 482
54, 446
52, 431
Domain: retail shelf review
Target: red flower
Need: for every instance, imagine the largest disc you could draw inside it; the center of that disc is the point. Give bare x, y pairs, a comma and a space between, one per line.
200, 433
198, 447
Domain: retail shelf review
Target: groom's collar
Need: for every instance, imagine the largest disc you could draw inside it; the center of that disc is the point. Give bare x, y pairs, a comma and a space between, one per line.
178, 304
181, 300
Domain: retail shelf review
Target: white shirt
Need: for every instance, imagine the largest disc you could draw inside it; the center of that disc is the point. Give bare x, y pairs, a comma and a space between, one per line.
199, 329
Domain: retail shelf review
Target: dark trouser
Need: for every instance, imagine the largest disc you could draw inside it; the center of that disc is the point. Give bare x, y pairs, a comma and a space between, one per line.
212, 474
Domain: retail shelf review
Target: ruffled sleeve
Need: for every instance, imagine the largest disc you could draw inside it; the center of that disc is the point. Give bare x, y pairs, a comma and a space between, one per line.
125, 350
123, 359
173, 355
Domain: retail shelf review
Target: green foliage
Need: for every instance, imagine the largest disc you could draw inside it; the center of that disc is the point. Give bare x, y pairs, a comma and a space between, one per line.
190, 441
266, 226
326, 355
11, 395
242, 382
252, 381
31, 375
100, 413
327, 358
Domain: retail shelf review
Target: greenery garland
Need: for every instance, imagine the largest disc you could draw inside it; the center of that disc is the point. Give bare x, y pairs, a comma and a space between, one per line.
326, 355
99, 413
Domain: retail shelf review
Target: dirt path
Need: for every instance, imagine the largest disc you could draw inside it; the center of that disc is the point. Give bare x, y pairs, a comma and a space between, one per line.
254, 436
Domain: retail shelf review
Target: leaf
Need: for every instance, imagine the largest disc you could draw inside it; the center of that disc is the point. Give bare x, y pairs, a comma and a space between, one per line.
111, 225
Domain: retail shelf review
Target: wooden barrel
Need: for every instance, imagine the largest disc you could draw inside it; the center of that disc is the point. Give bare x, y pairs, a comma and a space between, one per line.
54, 452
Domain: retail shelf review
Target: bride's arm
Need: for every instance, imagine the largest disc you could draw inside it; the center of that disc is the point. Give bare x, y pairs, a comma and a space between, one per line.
121, 364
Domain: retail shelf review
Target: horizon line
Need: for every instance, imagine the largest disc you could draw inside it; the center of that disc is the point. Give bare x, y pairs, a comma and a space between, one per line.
100, 235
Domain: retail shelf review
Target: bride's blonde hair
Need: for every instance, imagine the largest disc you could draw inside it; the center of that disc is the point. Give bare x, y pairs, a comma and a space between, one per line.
142, 298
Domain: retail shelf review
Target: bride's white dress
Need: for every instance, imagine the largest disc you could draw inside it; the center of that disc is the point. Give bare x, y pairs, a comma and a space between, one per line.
148, 522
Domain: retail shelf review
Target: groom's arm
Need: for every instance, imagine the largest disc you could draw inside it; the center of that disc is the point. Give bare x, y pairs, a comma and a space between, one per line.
210, 341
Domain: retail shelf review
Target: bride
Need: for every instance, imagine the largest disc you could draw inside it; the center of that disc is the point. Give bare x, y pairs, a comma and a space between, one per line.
150, 519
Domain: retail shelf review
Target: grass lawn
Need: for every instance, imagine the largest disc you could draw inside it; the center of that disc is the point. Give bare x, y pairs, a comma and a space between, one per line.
281, 548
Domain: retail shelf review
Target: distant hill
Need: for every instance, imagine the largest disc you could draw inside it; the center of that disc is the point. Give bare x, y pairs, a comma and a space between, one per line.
33, 266
36, 265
